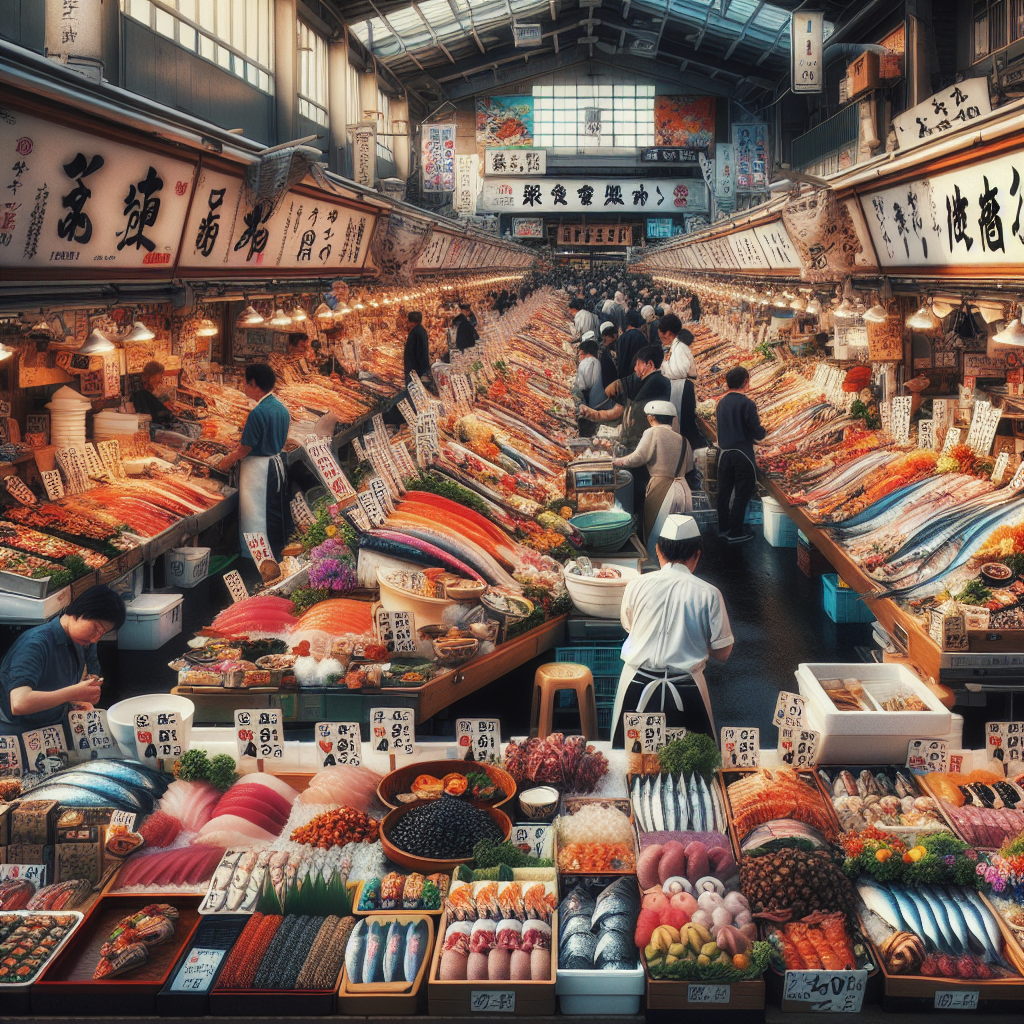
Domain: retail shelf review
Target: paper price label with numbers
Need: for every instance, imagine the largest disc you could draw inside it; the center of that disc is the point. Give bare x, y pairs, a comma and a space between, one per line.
53, 484
259, 733
394, 630
236, 586
372, 508
492, 1002
928, 756
827, 991
478, 739
158, 736
302, 514
90, 732
380, 490
789, 710
45, 749
708, 993
952, 440
1005, 740
536, 840
10, 757
392, 730
741, 748
20, 491
196, 974
798, 747
956, 999
338, 743
644, 733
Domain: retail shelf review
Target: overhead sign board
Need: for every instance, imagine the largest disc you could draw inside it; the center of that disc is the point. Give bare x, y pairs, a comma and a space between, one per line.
599, 195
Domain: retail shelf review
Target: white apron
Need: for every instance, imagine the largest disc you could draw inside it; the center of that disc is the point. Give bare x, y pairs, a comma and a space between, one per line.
253, 476
677, 501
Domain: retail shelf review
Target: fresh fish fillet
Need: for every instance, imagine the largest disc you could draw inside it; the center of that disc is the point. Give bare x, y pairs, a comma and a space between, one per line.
234, 823
251, 811
272, 803
271, 782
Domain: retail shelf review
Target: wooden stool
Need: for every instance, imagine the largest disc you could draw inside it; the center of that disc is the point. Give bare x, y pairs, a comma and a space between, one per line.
547, 682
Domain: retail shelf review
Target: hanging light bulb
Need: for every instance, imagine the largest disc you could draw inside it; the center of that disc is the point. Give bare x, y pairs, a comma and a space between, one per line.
139, 332
96, 344
323, 312
1012, 333
358, 305
924, 319
813, 306
280, 318
298, 315
249, 318
206, 329
876, 314
799, 304
845, 309
780, 301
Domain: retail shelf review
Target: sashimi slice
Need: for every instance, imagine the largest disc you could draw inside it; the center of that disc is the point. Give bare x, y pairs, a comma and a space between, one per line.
160, 829
338, 615
282, 789
253, 608
234, 823
256, 817
202, 868
274, 803
229, 838
199, 809
253, 808
149, 869
353, 786
463, 511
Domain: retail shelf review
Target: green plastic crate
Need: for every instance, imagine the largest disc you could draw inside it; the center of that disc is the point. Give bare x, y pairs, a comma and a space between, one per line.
601, 660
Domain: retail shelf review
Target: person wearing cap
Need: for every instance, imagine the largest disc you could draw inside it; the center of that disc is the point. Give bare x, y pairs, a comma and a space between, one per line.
588, 382
739, 427
583, 320
668, 458
676, 621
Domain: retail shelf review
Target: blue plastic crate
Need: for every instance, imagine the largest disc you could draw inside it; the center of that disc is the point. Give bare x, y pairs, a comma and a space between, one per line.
601, 660
841, 603
604, 692
755, 513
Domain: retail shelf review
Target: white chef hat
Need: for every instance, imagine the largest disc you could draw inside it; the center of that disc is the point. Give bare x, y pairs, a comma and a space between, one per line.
659, 408
647, 312
589, 336
679, 527
606, 325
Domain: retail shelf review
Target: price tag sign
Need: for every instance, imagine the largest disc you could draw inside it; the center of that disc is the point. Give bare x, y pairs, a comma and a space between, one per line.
259, 548
38, 423
394, 630
674, 733
158, 736
956, 999
338, 743
34, 873
19, 490
124, 818
789, 710
408, 412
1017, 482
418, 393
798, 747
302, 514
741, 748
462, 390
403, 460
358, 518
536, 840
1004, 741
93, 462
235, 585
478, 739
952, 440
999, 469
10, 757
928, 756
259, 733
318, 451
492, 1002
375, 512
925, 434
53, 484
90, 733
45, 750
901, 418
380, 490
707, 993
196, 974
110, 453
426, 437
827, 991
358, 450
392, 730
644, 733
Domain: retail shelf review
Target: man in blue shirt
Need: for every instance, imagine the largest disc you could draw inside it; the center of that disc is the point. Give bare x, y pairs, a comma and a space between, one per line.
263, 480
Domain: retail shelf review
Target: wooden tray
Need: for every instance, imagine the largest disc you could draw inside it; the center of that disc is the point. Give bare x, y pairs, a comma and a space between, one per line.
68, 982
401, 780
674, 995
424, 865
389, 998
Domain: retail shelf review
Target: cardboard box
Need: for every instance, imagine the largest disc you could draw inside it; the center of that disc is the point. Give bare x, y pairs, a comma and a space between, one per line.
79, 854
863, 73
34, 821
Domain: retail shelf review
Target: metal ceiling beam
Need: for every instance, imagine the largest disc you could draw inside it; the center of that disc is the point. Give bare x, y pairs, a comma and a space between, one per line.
743, 31
433, 34
540, 65
703, 28
401, 42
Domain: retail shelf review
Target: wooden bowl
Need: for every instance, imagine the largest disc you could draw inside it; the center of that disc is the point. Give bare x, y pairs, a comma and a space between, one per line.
428, 865
401, 780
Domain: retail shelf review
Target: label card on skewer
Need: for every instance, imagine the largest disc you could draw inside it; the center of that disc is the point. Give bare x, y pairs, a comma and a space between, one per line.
375, 512
1005, 741
392, 730
900, 421
338, 743
259, 548
358, 450
644, 732
259, 733
394, 630
798, 747
53, 484
999, 469
158, 737
403, 460
789, 710
19, 490
741, 748
928, 756
536, 840
407, 411
90, 733
236, 586
10, 757
952, 440
926, 434
478, 739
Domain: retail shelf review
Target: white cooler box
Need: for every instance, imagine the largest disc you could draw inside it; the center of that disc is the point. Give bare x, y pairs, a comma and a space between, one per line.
877, 736
151, 621
599, 993
779, 529
186, 567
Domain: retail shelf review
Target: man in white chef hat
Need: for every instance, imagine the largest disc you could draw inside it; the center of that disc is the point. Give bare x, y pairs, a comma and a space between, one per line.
675, 621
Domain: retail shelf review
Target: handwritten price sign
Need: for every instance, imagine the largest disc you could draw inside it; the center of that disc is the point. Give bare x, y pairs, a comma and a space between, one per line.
799, 747
789, 710
645, 733
827, 991
741, 748
89, 732
338, 743
928, 756
392, 730
158, 736
478, 739
259, 733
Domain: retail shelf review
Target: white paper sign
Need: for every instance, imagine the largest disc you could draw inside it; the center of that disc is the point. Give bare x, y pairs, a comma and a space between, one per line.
827, 991
196, 974
1017, 481
318, 451
789, 710
126, 819
942, 113
956, 999
1005, 740
928, 756
798, 747
674, 733
644, 733
89, 732
158, 736
10, 757
53, 484
403, 460
392, 730
375, 511
741, 748
407, 411
478, 738
236, 586
952, 440
926, 435
536, 840
19, 490
34, 873
707, 993
302, 514
45, 749
492, 1002
900, 418
338, 743
999, 469
259, 733
806, 34
259, 548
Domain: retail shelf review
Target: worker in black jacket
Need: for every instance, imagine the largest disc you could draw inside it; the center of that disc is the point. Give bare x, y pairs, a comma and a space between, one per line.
465, 328
417, 347
739, 427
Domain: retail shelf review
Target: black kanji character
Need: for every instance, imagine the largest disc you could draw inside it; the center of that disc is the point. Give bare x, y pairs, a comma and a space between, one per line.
498, 162
989, 221
1014, 187
613, 195
306, 245
19, 168
640, 196
314, 213
255, 235
209, 226
956, 219
916, 222
141, 207
558, 196
531, 195
332, 216
586, 194
661, 197
939, 107
901, 225
76, 226
324, 254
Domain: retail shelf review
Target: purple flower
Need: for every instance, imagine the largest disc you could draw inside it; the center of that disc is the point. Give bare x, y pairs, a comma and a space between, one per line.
949, 860
331, 574
332, 511
998, 884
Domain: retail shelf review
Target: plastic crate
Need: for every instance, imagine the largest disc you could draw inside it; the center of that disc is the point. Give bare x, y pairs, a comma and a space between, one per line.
186, 567
604, 721
841, 603
602, 661
151, 620
755, 513
604, 691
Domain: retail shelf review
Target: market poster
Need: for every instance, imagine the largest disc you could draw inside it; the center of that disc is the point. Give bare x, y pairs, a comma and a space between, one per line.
751, 143
504, 122
684, 121
438, 157
527, 227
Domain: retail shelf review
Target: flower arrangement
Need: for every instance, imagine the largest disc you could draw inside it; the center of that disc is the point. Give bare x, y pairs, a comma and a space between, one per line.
938, 858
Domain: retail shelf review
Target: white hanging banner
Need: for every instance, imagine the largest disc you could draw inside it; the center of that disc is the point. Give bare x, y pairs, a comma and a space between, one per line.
806, 36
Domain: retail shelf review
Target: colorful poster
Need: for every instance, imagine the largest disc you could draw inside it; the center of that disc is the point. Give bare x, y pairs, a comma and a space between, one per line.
684, 121
438, 157
751, 142
504, 122
527, 227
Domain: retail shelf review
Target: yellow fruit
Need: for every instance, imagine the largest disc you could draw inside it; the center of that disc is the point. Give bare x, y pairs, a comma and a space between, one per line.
709, 949
664, 936
670, 959
917, 853
677, 949
704, 961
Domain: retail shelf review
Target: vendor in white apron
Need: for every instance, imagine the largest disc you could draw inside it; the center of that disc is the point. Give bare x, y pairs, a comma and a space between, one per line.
263, 480
675, 621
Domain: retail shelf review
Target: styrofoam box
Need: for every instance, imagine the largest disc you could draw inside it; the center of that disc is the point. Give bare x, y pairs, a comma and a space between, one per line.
879, 682
865, 748
151, 621
187, 566
599, 993
779, 529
